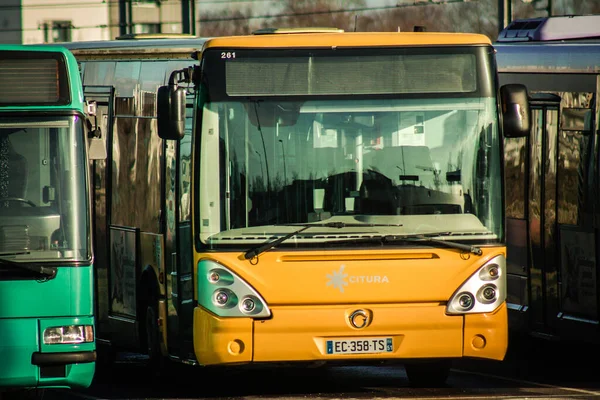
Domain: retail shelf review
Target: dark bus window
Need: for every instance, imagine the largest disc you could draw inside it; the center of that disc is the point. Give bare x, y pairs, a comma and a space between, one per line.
515, 153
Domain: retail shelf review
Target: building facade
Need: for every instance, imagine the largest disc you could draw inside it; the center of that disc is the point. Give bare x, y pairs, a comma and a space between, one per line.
55, 21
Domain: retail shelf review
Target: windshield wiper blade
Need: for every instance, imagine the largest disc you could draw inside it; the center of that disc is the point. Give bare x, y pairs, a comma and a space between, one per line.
427, 238
415, 239
255, 251
47, 272
250, 254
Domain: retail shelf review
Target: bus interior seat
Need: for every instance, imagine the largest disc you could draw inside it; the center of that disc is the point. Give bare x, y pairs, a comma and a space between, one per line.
377, 197
13, 182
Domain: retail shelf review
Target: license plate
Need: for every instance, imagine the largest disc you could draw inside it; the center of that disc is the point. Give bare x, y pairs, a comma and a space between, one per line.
360, 346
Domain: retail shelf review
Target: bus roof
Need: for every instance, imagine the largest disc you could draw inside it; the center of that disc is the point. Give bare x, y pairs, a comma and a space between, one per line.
35, 47
167, 47
556, 28
347, 39
543, 57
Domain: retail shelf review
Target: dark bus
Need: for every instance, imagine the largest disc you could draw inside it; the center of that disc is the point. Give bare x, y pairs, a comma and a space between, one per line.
552, 177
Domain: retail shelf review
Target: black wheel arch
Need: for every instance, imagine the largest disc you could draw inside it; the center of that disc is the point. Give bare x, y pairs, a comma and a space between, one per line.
148, 294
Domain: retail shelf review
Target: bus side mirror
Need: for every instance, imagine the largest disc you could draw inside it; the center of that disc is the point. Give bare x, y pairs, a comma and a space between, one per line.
171, 112
97, 149
96, 146
516, 115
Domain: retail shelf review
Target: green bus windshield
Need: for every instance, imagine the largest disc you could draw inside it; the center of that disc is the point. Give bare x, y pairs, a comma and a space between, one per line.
43, 201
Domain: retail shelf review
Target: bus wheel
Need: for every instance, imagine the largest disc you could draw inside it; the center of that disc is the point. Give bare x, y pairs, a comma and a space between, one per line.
428, 373
152, 336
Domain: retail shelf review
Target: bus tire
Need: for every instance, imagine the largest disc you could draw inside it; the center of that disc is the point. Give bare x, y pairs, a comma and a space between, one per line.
428, 373
155, 357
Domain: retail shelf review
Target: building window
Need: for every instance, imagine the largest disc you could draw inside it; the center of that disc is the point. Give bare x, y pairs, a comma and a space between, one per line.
147, 3
57, 31
146, 28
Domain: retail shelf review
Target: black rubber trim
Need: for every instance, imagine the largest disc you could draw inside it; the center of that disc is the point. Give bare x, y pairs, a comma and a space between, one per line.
81, 357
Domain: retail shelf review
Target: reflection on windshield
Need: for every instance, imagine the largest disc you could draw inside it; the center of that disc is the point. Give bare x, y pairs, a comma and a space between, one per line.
304, 162
42, 193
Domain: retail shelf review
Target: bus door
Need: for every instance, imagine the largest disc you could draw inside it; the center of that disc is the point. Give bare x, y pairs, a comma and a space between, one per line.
104, 98
541, 211
577, 303
180, 286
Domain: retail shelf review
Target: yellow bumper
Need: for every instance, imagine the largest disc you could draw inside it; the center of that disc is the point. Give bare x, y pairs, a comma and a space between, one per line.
301, 334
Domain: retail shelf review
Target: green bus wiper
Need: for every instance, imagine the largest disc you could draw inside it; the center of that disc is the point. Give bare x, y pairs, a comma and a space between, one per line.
429, 237
255, 251
47, 272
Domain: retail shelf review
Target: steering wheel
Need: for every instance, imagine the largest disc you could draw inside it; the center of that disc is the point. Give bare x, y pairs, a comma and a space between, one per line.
19, 199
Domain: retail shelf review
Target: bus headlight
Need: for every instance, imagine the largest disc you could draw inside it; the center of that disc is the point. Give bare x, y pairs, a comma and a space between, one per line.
483, 292
225, 294
69, 334
464, 301
248, 305
487, 294
224, 298
489, 272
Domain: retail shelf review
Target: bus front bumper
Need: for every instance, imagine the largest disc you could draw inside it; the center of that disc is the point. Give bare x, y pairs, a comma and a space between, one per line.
298, 333
48, 359
25, 366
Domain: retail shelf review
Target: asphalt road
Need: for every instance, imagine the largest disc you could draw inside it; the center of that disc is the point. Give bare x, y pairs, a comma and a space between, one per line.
531, 370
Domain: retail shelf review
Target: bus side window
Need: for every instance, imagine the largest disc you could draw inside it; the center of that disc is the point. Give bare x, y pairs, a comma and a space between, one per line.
13, 179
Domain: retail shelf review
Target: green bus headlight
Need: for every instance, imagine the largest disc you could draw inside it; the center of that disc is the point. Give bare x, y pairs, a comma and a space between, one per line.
69, 334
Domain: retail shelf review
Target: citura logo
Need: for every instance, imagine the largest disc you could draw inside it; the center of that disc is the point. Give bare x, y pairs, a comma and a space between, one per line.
340, 279
337, 279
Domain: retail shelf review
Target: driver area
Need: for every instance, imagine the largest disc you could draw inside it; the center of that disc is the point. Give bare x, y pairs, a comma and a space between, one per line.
13, 174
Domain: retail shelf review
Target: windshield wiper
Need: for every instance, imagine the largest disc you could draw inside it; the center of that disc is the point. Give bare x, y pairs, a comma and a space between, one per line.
255, 251
429, 237
426, 238
47, 272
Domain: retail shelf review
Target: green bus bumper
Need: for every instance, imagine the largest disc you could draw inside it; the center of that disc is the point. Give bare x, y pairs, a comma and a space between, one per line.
26, 362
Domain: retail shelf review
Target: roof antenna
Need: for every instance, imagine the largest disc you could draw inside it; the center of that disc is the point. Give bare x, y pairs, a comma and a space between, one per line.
355, 21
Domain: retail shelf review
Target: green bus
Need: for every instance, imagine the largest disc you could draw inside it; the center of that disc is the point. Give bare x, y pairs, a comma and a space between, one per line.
46, 260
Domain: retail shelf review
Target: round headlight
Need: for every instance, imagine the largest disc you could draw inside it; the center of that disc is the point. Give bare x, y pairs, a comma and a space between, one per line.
490, 272
248, 305
213, 276
465, 301
487, 294
221, 298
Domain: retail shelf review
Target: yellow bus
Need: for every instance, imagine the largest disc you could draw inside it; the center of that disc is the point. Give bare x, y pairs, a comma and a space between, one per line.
346, 198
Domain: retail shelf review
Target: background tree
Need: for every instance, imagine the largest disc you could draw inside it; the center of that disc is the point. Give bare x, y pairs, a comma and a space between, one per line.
226, 22
319, 13
476, 16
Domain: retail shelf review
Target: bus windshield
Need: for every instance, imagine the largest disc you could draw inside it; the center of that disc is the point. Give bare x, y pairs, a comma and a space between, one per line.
426, 160
43, 201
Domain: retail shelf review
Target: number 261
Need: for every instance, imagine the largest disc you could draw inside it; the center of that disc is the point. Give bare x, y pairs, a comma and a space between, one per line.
227, 54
